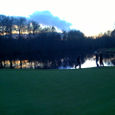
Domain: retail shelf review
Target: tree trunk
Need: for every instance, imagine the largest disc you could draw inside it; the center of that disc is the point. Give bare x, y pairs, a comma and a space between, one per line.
10, 33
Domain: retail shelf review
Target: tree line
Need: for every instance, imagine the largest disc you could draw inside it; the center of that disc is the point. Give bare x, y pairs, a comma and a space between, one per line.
11, 25
21, 38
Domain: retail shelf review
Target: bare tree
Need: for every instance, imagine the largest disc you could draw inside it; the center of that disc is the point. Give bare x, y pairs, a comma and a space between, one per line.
2, 24
9, 22
21, 23
35, 27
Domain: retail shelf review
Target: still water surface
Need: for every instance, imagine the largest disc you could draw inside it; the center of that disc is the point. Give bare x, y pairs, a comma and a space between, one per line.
91, 62
62, 63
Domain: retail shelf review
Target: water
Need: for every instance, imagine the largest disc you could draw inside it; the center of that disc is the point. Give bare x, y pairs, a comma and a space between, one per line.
61, 63
89, 63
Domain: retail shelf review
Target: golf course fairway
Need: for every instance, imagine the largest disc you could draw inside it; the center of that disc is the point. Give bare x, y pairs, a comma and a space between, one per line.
88, 91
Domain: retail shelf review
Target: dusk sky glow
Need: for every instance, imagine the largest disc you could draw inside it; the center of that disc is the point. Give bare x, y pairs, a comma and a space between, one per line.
89, 16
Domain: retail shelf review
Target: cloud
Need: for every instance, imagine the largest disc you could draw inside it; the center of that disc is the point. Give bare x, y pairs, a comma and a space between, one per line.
46, 18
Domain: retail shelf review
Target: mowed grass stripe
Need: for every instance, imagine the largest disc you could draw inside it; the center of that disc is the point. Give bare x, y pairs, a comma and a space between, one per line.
58, 92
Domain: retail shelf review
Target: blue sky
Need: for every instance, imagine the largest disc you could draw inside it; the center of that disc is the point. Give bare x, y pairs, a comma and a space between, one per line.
89, 16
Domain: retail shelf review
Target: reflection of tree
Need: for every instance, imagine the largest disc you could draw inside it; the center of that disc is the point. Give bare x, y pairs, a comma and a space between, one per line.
1, 65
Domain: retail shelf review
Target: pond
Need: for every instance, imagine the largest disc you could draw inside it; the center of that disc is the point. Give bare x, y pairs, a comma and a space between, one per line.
66, 62
91, 62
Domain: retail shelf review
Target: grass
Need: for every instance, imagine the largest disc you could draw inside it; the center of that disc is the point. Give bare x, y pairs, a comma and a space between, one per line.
108, 50
111, 49
58, 92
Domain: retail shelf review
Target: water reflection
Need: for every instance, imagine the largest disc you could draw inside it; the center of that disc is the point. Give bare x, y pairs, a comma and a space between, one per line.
92, 63
58, 63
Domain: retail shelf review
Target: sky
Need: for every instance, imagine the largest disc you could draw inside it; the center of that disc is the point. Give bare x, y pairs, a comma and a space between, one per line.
91, 17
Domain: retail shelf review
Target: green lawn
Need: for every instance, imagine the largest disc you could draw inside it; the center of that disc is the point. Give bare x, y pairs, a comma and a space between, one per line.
108, 50
111, 49
58, 92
